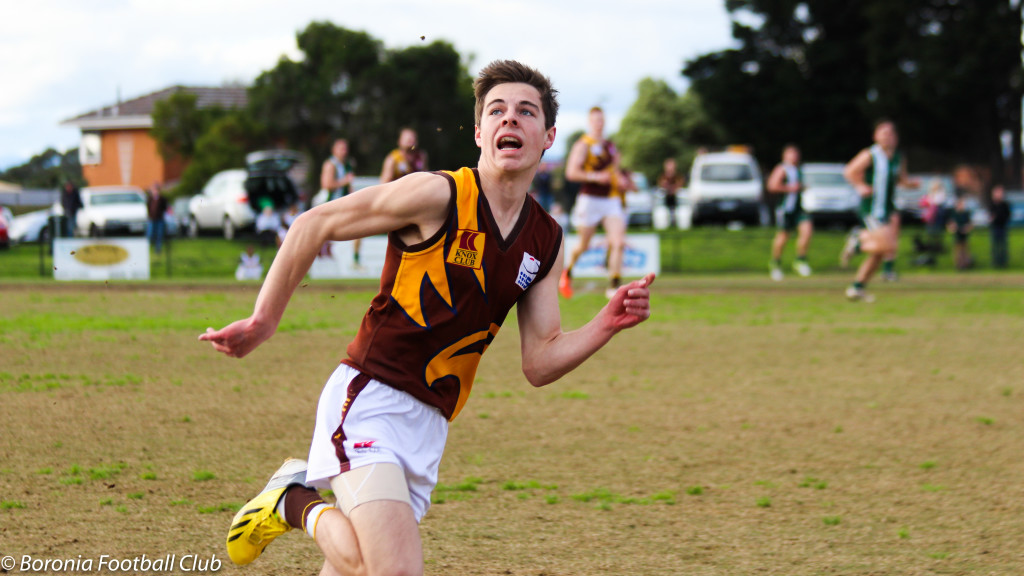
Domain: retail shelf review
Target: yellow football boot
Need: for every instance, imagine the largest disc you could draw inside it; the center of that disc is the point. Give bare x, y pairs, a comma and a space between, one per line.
258, 523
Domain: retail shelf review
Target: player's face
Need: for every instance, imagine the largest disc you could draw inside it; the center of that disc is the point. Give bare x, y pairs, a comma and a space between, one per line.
791, 156
511, 134
340, 149
596, 120
885, 136
407, 140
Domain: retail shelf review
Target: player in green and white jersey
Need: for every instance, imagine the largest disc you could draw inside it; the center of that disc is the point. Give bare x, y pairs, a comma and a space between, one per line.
875, 172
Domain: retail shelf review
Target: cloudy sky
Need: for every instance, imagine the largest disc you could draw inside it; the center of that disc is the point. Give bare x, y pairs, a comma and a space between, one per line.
61, 58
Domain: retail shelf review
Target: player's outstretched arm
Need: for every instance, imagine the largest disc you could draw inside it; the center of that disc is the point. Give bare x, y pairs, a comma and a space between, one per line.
549, 353
417, 205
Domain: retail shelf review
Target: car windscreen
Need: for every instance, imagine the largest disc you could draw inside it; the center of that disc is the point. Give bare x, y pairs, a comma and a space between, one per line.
117, 198
824, 179
726, 173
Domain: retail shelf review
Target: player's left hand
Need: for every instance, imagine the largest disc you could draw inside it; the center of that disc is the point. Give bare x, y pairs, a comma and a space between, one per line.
631, 304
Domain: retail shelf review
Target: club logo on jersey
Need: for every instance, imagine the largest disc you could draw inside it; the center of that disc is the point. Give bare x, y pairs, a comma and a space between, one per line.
527, 271
468, 249
365, 446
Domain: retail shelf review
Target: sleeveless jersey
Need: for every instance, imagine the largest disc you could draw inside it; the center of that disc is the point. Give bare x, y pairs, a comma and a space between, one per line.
442, 301
600, 154
792, 202
341, 169
403, 166
882, 203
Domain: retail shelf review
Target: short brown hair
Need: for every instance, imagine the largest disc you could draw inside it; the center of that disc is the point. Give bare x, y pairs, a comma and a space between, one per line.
510, 71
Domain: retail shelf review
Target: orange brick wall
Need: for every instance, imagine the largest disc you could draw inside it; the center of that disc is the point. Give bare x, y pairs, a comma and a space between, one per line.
143, 162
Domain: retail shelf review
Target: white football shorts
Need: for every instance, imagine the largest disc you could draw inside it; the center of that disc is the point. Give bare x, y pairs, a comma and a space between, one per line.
360, 422
590, 211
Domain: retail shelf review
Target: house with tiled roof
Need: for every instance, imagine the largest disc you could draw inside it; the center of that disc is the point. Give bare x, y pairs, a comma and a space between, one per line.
117, 148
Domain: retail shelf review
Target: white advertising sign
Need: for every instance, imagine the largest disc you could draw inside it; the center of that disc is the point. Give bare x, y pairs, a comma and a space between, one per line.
101, 259
336, 259
642, 256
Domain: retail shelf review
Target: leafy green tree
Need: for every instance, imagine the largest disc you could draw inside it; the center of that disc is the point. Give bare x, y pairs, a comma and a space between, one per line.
48, 169
332, 91
661, 124
222, 147
428, 88
348, 85
178, 123
818, 73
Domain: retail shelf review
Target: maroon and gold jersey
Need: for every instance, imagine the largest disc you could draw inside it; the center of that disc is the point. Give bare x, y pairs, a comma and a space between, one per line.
600, 154
442, 301
414, 161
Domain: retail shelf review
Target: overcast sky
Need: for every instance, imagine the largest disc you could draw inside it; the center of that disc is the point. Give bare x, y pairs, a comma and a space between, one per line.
61, 58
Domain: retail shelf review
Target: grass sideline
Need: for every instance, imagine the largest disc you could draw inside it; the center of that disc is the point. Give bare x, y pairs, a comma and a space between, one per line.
711, 250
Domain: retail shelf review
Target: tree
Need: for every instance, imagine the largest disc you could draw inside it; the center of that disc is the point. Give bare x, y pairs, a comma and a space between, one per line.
178, 123
48, 169
661, 124
428, 88
818, 73
223, 146
330, 92
348, 85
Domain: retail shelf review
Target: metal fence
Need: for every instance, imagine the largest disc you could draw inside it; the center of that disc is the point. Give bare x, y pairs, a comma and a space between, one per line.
29, 197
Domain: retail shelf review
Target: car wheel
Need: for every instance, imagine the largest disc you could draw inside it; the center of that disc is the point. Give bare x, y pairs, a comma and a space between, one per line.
44, 235
229, 229
192, 227
94, 231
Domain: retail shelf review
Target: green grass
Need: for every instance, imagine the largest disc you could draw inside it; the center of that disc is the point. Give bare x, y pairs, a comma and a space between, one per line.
697, 251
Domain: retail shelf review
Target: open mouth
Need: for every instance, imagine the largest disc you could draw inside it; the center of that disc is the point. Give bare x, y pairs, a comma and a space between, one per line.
509, 143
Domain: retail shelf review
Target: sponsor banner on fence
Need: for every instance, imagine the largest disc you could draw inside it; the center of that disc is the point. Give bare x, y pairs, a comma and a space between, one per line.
642, 256
336, 259
101, 259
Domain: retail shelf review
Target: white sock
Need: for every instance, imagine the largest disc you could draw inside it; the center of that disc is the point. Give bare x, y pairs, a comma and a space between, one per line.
313, 516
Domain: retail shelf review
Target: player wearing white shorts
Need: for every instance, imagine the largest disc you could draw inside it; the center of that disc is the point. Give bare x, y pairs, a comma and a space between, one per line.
464, 247
875, 172
594, 163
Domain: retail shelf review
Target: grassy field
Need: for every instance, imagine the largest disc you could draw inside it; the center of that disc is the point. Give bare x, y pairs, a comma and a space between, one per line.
747, 428
711, 250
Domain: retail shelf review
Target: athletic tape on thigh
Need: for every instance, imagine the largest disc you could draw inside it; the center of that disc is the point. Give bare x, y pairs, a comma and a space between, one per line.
380, 481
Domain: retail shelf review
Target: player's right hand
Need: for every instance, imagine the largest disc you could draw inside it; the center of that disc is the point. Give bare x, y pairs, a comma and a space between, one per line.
238, 338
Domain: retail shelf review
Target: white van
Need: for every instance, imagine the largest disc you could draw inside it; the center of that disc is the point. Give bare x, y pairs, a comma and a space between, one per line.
725, 187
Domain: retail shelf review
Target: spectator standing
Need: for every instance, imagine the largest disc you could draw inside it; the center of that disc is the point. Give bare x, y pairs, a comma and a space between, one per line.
999, 221
156, 226
70, 201
960, 226
670, 181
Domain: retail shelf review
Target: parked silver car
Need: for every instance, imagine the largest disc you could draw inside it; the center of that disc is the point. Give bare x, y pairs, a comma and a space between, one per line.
827, 195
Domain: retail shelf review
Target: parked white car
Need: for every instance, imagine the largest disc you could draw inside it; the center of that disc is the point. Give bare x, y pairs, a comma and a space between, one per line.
827, 195
32, 226
725, 187
108, 210
222, 205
